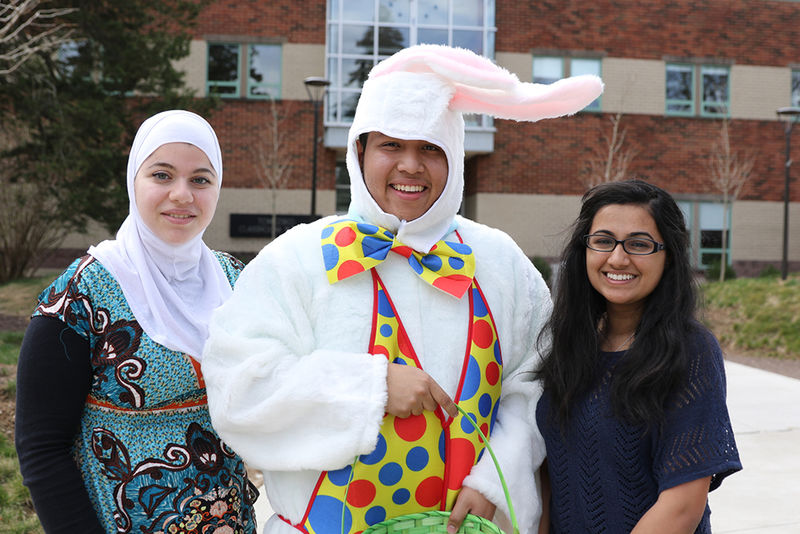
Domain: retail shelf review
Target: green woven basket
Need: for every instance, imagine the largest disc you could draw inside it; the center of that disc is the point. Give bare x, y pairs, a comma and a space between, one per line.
436, 521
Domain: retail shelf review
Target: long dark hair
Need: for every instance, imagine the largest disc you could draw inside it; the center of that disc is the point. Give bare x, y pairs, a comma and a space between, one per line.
656, 363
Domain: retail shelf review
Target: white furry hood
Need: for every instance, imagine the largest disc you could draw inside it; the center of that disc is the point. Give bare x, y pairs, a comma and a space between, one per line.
421, 93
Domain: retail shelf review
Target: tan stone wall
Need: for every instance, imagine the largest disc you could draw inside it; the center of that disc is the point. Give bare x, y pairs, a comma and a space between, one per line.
536, 222
756, 92
299, 62
633, 86
757, 231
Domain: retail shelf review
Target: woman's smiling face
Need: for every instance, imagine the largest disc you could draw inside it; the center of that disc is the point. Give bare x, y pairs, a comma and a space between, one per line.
625, 280
176, 192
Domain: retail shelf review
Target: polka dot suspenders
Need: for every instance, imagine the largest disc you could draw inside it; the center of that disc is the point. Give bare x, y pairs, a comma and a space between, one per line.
419, 462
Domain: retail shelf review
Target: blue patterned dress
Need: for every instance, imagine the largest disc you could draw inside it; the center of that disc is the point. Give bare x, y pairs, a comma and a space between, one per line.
149, 457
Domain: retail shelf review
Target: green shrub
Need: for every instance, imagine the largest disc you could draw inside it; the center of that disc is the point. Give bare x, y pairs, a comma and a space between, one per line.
770, 271
543, 266
712, 273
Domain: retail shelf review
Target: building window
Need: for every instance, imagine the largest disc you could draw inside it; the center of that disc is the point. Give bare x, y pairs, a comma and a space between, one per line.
360, 33
262, 78
705, 223
684, 82
796, 88
548, 69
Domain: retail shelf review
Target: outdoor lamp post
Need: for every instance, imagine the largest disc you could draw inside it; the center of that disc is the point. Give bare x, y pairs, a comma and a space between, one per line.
315, 87
789, 115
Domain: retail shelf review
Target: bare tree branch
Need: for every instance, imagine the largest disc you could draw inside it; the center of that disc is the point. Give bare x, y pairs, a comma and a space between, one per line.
729, 172
609, 162
273, 168
27, 28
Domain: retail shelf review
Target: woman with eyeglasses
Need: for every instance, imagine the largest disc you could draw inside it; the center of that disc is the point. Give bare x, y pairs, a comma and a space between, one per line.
633, 411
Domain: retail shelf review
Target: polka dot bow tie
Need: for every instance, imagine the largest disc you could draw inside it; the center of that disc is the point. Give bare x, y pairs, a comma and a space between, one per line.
350, 247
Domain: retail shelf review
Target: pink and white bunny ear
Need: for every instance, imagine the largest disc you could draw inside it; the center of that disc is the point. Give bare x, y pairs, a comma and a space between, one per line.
483, 87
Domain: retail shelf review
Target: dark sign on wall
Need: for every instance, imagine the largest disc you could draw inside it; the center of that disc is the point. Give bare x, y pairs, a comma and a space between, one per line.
260, 225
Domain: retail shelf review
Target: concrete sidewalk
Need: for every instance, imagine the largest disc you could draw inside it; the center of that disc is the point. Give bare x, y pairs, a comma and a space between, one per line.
765, 496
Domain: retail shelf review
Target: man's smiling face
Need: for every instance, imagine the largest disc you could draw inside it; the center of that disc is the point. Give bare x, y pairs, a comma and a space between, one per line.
405, 177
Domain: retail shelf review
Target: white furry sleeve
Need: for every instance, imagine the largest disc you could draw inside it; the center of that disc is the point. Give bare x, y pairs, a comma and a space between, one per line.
515, 439
277, 395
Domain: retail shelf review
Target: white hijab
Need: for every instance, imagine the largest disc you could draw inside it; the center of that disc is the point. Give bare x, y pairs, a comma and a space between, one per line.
171, 289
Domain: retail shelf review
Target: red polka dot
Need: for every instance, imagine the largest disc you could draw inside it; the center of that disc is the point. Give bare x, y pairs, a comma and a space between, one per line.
455, 284
482, 334
380, 349
492, 373
410, 428
429, 492
345, 237
485, 430
403, 251
349, 268
462, 457
404, 344
361, 493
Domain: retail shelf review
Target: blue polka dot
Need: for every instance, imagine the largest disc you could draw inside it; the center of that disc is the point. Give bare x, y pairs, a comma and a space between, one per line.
327, 231
327, 511
494, 417
412, 261
366, 228
386, 330
375, 248
374, 515
432, 262
400, 361
472, 379
417, 459
390, 474
461, 248
467, 426
442, 444
388, 234
401, 496
331, 256
485, 404
498, 357
478, 305
340, 477
384, 308
455, 263
377, 455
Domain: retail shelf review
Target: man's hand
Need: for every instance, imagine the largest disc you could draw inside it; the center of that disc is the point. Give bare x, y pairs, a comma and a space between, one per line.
412, 390
472, 502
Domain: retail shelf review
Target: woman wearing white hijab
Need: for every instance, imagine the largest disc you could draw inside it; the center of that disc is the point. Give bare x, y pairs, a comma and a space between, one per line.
112, 425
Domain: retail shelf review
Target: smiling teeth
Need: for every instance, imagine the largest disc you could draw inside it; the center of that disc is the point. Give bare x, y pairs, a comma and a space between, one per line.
180, 216
409, 188
620, 277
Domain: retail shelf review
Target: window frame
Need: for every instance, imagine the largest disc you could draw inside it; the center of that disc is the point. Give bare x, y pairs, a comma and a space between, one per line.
250, 84
341, 97
567, 68
236, 84
698, 105
692, 88
795, 88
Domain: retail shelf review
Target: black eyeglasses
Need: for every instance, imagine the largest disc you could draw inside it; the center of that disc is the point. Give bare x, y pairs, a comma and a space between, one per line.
638, 246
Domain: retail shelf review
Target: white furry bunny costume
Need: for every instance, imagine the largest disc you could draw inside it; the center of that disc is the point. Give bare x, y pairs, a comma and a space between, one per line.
290, 383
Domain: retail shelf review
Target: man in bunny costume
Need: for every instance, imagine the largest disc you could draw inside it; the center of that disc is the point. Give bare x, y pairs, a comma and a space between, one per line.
336, 366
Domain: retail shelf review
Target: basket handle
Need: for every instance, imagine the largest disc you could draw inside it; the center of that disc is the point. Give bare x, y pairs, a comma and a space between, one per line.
511, 513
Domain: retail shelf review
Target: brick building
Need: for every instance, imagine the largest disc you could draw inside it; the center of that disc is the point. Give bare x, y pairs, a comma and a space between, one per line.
673, 71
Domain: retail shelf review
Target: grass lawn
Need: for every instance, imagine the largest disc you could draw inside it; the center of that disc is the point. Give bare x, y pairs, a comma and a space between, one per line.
757, 315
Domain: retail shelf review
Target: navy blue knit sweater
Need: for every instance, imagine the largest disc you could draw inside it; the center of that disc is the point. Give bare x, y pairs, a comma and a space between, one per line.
605, 473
